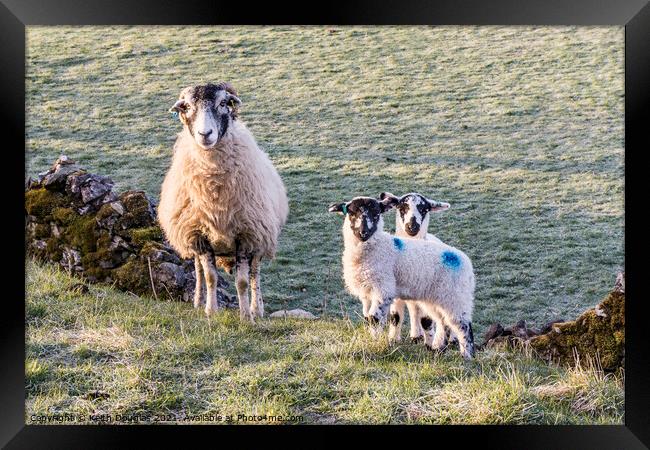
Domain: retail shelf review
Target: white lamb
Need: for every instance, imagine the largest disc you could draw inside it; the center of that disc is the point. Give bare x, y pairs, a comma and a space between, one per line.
378, 268
412, 222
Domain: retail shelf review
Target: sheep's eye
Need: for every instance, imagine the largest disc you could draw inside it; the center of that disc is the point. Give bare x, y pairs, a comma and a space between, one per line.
223, 103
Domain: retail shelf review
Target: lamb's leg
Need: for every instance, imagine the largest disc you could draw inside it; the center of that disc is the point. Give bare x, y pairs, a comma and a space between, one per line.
414, 318
427, 324
462, 328
379, 309
439, 342
257, 302
198, 274
242, 281
211, 280
396, 318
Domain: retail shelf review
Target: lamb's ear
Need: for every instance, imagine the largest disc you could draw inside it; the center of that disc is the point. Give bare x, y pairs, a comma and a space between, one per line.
341, 208
388, 201
385, 195
436, 206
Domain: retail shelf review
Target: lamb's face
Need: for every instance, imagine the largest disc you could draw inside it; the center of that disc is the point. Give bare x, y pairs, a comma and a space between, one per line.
363, 215
413, 211
207, 111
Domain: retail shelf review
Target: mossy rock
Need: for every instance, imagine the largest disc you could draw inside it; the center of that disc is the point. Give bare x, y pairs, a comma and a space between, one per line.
54, 250
140, 236
138, 212
82, 233
41, 203
598, 333
134, 276
64, 216
40, 231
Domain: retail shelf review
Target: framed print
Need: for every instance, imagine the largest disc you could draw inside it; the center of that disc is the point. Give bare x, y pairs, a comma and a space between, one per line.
370, 217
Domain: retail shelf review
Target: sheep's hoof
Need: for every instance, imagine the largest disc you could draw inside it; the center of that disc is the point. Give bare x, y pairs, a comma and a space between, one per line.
210, 311
417, 339
244, 317
257, 312
438, 350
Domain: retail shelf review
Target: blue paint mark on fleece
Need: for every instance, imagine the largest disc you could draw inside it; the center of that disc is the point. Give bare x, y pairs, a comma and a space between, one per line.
399, 244
450, 259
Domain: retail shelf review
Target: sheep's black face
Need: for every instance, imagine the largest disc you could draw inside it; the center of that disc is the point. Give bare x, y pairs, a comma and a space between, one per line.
363, 214
207, 111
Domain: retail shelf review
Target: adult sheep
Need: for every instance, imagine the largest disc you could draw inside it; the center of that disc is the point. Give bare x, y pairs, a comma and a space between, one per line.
221, 196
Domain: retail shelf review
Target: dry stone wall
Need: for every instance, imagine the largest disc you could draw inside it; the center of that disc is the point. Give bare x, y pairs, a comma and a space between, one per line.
74, 219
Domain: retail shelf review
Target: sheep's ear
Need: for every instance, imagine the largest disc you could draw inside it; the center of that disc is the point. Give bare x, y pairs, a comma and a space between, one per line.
179, 106
388, 201
341, 208
436, 206
385, 195
233, 100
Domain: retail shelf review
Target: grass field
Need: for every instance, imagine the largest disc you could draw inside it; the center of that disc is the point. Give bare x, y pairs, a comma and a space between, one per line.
519, 128
108, 354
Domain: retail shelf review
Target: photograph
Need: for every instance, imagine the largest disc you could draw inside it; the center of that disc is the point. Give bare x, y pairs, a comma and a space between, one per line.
325, 224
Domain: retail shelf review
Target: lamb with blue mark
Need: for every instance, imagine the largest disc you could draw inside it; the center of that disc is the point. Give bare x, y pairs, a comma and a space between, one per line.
377, 271
413, 211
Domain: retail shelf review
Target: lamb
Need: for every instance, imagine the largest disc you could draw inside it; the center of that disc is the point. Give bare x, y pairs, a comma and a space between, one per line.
411, 222
378, 268
221, 197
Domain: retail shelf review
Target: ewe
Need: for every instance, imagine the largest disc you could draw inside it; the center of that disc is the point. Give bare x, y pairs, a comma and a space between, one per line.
221, 196
378, 268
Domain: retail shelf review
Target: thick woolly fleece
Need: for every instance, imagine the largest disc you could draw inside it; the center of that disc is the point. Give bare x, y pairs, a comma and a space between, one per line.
231, 192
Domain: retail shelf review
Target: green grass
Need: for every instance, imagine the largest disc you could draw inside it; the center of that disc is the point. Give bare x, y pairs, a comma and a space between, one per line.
519, 128
110, 353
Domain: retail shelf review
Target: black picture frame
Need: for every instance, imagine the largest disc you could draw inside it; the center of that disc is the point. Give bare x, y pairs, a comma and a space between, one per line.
15, 15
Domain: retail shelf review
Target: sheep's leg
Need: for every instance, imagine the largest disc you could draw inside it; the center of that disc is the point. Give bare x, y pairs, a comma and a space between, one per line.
366, 307
462, 328
211, 279
377, 313
427, 324
198, 274
414, 318
439, 342
396, 319
242, 281
257, 302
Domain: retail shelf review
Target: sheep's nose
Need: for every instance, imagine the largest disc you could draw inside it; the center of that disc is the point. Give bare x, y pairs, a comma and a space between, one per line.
205, 133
